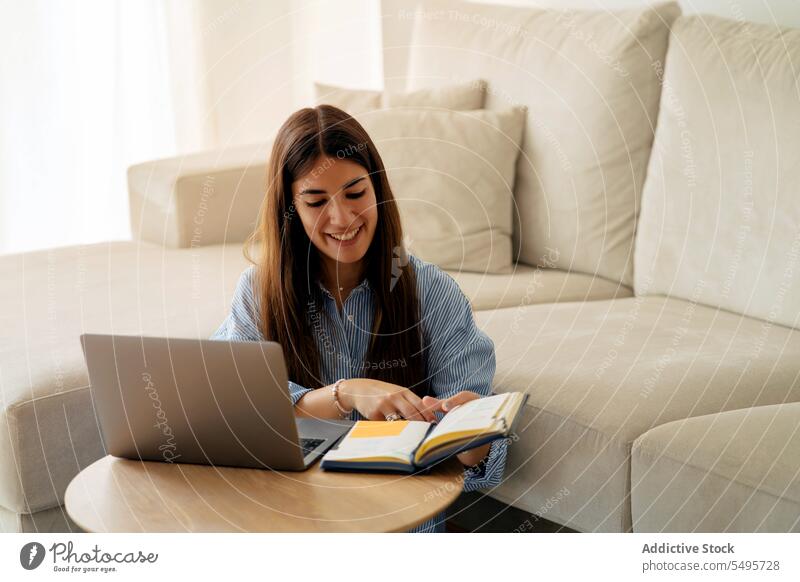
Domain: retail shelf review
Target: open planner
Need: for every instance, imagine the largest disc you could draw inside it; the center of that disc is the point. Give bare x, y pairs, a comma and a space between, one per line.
408, 445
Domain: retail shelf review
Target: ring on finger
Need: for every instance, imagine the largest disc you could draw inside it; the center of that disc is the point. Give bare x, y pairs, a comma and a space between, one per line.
393, 416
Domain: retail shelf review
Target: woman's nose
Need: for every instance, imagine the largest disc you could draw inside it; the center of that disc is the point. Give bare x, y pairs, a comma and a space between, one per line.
340, 213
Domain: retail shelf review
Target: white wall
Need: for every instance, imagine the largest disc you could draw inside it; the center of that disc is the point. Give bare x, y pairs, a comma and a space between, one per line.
261, 58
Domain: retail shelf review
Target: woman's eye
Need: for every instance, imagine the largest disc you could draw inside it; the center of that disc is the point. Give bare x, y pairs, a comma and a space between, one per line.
350, 196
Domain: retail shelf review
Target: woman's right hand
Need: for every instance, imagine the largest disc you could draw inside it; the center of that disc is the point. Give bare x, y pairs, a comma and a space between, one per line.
376, 399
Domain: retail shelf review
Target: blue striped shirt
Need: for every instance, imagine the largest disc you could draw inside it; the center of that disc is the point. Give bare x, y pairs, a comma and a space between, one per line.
460, 356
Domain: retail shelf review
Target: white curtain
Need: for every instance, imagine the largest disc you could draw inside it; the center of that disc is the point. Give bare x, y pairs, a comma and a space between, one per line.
88, 88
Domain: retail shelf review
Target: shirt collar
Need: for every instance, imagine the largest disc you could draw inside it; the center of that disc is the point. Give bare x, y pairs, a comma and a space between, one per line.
363, 285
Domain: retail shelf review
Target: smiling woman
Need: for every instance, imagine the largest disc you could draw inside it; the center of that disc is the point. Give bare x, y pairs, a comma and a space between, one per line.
337, 288
342, 220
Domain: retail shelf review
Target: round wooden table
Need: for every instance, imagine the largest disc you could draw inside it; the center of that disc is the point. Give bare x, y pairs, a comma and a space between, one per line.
121, 495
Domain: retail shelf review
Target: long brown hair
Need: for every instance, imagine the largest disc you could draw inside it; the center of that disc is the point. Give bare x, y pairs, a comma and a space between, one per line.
288, 263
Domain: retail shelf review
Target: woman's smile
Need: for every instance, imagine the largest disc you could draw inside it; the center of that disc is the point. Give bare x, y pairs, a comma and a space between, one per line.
346, 239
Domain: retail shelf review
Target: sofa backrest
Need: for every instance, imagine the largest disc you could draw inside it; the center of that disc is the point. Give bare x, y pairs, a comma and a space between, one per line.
592, 93
720, 220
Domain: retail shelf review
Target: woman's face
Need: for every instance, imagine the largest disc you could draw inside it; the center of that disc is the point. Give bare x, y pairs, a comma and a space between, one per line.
336, 198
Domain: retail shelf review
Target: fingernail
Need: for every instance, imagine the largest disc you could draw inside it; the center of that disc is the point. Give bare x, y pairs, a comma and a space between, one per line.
445, 407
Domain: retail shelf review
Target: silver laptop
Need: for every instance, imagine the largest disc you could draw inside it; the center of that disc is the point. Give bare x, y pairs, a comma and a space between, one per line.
201, 401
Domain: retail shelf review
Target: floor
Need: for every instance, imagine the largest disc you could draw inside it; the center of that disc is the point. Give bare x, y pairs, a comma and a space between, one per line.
476, 512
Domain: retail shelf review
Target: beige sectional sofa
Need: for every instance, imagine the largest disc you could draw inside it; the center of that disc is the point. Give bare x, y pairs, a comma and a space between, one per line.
651, 316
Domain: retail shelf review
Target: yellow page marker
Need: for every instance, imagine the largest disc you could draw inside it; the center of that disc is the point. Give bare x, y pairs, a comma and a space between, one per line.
377, 428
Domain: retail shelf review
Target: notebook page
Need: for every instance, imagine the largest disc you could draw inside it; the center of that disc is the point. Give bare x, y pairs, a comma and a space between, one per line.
474, 415
397, 444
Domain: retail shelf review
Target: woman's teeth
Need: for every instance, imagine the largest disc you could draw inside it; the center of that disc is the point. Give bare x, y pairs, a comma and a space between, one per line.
347, 236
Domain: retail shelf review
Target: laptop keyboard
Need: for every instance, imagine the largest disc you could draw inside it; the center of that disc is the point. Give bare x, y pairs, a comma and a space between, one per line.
308, 445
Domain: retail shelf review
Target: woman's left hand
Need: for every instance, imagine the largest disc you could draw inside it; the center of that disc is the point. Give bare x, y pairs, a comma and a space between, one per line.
471, 457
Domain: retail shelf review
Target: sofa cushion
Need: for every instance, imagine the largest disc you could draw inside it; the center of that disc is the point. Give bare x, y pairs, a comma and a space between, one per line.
602, 373
720, 208
527, 285
467, 95
592, 93
452, 174
734, 471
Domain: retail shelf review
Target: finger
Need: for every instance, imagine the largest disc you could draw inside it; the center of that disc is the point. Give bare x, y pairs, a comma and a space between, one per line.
457, 399
377, 414
431, 403
406, 409
389, 406
424, 413
431, 400
385, 409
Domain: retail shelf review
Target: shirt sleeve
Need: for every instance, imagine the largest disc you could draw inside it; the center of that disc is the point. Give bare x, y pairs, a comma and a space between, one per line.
241, 324
460, 357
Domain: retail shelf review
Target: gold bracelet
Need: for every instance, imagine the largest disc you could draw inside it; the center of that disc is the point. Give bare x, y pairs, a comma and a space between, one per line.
343, 413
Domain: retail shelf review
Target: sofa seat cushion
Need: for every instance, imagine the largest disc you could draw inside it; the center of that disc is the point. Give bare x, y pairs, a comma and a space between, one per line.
733, 471
48, 431
602, 373
527, 285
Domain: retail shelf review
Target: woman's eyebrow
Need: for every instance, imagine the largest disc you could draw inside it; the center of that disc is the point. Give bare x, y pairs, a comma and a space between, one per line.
352, 182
